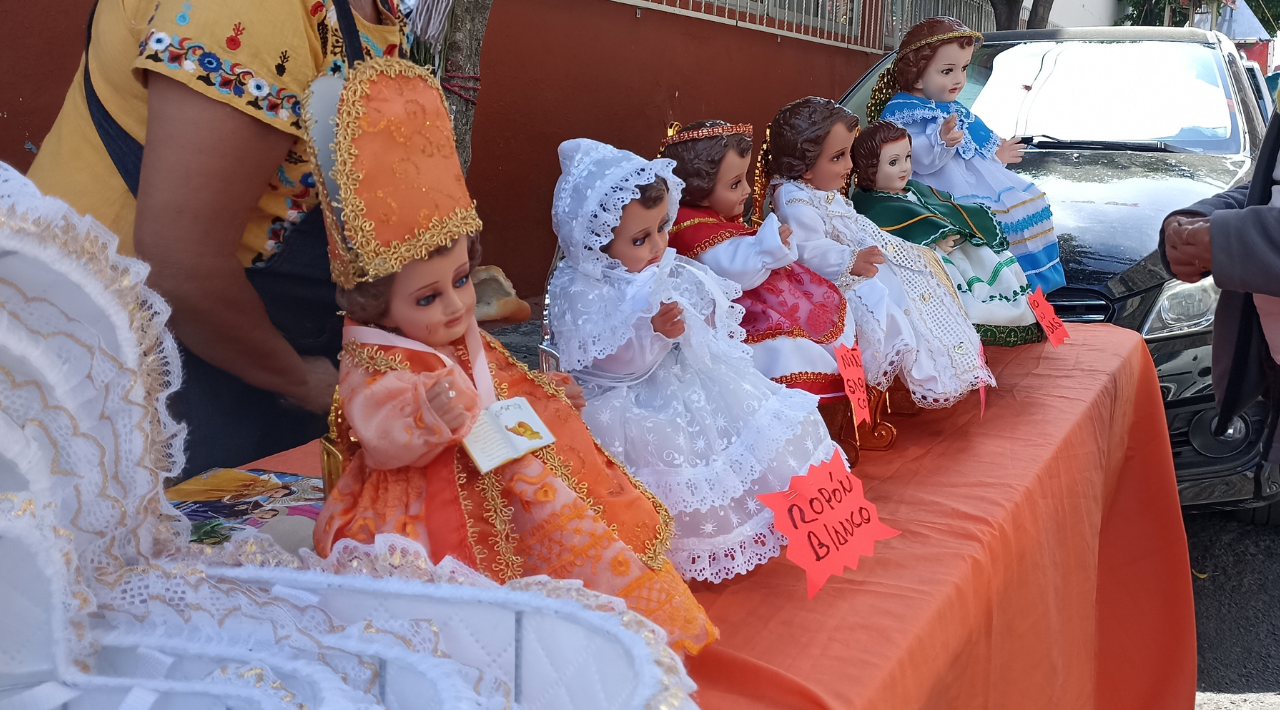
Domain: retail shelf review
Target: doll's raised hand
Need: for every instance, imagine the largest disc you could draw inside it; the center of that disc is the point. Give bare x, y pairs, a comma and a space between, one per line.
1010, 151
949, 244
784, 233
572, 390
450, 401
864, 264
669, 320
948, 132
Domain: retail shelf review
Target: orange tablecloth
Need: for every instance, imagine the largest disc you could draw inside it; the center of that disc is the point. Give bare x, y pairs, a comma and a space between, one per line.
1042, 561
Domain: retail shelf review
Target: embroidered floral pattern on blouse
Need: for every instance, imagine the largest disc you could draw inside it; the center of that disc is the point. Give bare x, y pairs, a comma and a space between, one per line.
226, 76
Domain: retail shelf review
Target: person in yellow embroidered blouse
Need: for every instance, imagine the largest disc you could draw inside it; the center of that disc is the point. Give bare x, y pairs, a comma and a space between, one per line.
213, 91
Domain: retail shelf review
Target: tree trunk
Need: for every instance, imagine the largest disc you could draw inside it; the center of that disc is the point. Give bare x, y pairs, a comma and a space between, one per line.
1039, 18
462, 56
1008, 13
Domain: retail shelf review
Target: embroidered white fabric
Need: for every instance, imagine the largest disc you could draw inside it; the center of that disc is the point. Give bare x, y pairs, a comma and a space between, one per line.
690, 417
909, 318
101, 564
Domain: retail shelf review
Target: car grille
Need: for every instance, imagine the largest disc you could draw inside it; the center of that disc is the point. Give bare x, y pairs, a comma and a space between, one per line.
1078, 305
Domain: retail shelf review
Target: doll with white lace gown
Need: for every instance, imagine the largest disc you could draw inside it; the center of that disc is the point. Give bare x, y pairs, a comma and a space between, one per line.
908, 316
671, 389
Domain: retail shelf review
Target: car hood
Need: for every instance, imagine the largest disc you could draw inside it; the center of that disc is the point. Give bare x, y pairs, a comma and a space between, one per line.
1108, 207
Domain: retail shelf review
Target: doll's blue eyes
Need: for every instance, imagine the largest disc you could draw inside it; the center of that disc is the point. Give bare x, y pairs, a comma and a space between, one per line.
428, 300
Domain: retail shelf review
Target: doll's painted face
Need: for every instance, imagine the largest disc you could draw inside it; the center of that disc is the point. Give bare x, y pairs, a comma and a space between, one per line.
640, 239
834, 160
433, 300
895, 166
732, 188
946, 74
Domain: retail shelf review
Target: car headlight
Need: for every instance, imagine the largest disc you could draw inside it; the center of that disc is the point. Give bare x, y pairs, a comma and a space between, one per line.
1183, 308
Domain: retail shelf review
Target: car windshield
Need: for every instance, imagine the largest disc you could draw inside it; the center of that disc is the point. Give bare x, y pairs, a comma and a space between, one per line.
1176, 93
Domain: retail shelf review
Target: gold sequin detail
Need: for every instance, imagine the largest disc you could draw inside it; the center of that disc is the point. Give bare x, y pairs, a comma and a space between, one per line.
371, 358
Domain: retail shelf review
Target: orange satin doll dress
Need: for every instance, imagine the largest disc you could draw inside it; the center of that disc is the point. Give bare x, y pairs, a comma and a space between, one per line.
567, 510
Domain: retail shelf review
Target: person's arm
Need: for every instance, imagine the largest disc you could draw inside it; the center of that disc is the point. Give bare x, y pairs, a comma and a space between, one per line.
1232, 199
205, 167
1244, 249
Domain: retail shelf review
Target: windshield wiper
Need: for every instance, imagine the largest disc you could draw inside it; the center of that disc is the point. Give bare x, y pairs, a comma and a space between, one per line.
1048, 143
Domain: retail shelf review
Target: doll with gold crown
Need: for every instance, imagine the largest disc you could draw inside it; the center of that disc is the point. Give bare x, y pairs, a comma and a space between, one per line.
417, 376
955, 151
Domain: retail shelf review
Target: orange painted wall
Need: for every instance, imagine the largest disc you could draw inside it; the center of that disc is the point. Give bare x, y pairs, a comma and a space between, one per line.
559, 69
552, 70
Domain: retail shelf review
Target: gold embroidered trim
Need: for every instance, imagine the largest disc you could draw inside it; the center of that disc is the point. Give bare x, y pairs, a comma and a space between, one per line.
714, 240
1037, 235
977, 36
795, 378
498, 513
655, 550
371, 358
690, 223
797, 332
355, 252
1020, 204
913, 220
460, 477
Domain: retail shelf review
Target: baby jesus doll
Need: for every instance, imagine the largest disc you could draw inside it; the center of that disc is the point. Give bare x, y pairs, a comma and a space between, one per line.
909, 319
416, 373
794, 317
967, 237
670, 387
955, 151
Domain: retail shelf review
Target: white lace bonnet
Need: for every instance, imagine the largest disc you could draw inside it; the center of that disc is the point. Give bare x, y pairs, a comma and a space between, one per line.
596, 182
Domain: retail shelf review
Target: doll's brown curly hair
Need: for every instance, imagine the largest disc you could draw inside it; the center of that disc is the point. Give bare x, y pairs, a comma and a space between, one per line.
798, 131
368, 302
912, 65
866, 150
698, 161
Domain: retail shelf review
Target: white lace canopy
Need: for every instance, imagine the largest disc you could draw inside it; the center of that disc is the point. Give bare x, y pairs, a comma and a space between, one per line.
596, 182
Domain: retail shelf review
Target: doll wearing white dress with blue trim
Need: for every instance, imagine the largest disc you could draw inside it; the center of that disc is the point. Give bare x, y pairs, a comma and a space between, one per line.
954, 151
671, 388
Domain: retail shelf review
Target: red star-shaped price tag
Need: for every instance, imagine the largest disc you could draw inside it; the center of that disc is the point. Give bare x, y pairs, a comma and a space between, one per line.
828, 521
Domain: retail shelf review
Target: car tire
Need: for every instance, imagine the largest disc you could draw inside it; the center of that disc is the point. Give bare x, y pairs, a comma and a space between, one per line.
1262, 515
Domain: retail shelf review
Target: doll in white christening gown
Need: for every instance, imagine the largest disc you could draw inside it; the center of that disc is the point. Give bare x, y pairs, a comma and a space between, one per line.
671, 389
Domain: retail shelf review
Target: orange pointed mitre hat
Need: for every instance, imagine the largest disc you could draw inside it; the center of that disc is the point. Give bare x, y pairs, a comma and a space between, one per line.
392, 188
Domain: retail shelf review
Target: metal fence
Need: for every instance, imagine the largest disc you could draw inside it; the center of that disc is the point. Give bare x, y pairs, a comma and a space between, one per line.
975, 14
857, 24
867, 25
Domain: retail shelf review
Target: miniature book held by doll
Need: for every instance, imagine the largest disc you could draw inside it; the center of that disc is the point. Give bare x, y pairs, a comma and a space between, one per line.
909, 319
794, 318
956, 152
671, 389
416, 373
967, 237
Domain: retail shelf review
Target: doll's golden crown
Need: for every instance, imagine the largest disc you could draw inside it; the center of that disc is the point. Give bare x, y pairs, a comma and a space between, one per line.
400, 189
675, 136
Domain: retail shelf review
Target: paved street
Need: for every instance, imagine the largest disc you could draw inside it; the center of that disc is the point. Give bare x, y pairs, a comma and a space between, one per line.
1237, 611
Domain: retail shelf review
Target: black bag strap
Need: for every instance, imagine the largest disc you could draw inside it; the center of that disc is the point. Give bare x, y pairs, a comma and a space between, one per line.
126, 151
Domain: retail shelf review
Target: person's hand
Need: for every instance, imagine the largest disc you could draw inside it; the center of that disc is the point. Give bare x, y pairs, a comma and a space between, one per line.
444, 401
669, 320
317, 395
864, 264
784, 233
949, 244
948, 133
1187, 247
572, 390
1010, 151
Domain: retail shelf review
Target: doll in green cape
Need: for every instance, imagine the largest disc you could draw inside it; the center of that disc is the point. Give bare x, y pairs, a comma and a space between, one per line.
967, 237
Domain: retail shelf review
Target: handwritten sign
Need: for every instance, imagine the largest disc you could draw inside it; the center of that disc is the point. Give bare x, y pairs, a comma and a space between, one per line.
849, 360
1052, 324
827, 520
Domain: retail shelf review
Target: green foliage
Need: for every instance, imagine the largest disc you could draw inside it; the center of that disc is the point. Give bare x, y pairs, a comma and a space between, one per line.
1151, 12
